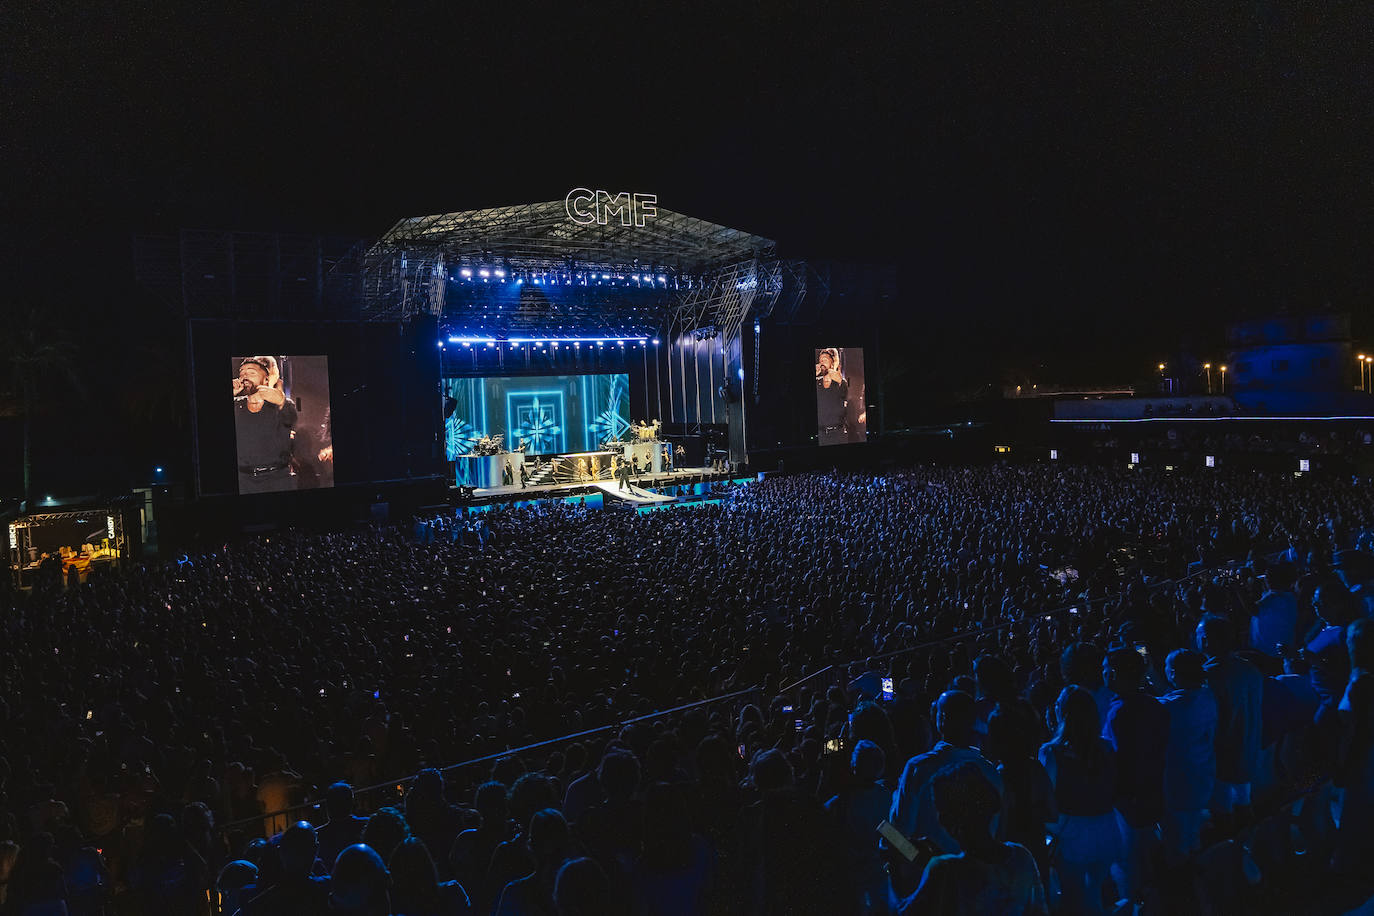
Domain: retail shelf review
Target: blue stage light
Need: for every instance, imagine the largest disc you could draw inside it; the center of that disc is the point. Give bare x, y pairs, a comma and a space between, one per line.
741, 373
500, 272
466, 271
484, 272
655, 341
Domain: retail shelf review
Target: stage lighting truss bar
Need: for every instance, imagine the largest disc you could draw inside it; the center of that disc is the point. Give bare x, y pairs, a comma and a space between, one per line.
539, 340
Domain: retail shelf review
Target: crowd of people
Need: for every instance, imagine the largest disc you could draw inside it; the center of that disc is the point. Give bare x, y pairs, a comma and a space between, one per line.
953, 690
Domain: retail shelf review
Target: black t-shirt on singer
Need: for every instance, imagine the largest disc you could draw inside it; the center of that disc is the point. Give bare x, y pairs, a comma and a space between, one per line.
830, 402
264, 438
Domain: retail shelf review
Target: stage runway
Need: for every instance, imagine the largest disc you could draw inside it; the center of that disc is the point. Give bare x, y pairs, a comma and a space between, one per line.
632, 494
643, 481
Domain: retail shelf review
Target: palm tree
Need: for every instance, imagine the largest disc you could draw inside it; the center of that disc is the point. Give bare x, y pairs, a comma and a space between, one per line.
34, 351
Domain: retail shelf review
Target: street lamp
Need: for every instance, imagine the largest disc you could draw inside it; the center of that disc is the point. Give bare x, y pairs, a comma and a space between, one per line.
1222, 369
1208, 368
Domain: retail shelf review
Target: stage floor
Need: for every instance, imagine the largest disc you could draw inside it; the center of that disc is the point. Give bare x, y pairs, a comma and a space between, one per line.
643, 481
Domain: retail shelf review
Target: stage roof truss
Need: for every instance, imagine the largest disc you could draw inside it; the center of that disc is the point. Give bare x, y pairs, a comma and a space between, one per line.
405, 273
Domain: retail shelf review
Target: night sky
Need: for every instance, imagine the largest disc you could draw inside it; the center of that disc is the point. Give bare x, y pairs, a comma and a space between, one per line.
1075, 194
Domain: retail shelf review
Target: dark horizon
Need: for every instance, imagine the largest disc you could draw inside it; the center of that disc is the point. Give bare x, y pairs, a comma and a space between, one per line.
1073, 196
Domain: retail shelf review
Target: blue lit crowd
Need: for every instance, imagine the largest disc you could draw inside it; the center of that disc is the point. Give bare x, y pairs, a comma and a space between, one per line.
946, 690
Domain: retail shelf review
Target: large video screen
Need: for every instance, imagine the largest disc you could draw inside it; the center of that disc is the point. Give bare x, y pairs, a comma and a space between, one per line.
840, 414
282, 424
548, 414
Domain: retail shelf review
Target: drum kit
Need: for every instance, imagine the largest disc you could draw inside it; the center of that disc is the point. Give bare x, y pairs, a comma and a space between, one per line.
647, 432
488, 445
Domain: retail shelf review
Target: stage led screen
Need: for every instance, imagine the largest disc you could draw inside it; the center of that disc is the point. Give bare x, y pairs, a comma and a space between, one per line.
549, 414
282, 425
840, 413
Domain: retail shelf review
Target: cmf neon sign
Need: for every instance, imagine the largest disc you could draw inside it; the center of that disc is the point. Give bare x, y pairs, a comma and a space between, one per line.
586, 207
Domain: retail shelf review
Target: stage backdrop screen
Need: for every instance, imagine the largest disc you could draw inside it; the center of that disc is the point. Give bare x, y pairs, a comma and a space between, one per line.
552, 413
282, 424
840, 413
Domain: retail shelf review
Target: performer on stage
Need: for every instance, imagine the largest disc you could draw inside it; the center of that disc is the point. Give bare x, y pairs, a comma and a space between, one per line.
582, 469
524, 475
507, 473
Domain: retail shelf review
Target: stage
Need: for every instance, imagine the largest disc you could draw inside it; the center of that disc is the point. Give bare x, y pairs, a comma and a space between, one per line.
644, 492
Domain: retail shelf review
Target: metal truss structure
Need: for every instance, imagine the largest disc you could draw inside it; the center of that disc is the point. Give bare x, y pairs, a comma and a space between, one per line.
546, 274
21, 530
756, 288
672, 272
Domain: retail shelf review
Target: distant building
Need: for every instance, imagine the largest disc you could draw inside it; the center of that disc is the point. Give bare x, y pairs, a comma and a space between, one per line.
1309, 353
1282, 366
1301, 364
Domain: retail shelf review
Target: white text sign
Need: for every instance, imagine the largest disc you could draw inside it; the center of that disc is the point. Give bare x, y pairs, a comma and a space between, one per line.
586, 206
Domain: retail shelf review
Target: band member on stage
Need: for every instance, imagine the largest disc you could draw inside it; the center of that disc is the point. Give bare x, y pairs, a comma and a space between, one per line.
582, 469
507, 473
524, 475
679, 454
264, 418
832, 399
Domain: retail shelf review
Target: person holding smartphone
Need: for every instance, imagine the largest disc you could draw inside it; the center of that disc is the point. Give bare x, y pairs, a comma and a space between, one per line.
913, 811
985, 876
858, 810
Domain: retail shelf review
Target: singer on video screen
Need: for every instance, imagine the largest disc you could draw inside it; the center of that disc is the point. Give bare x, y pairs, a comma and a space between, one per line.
264, 419
840, 414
